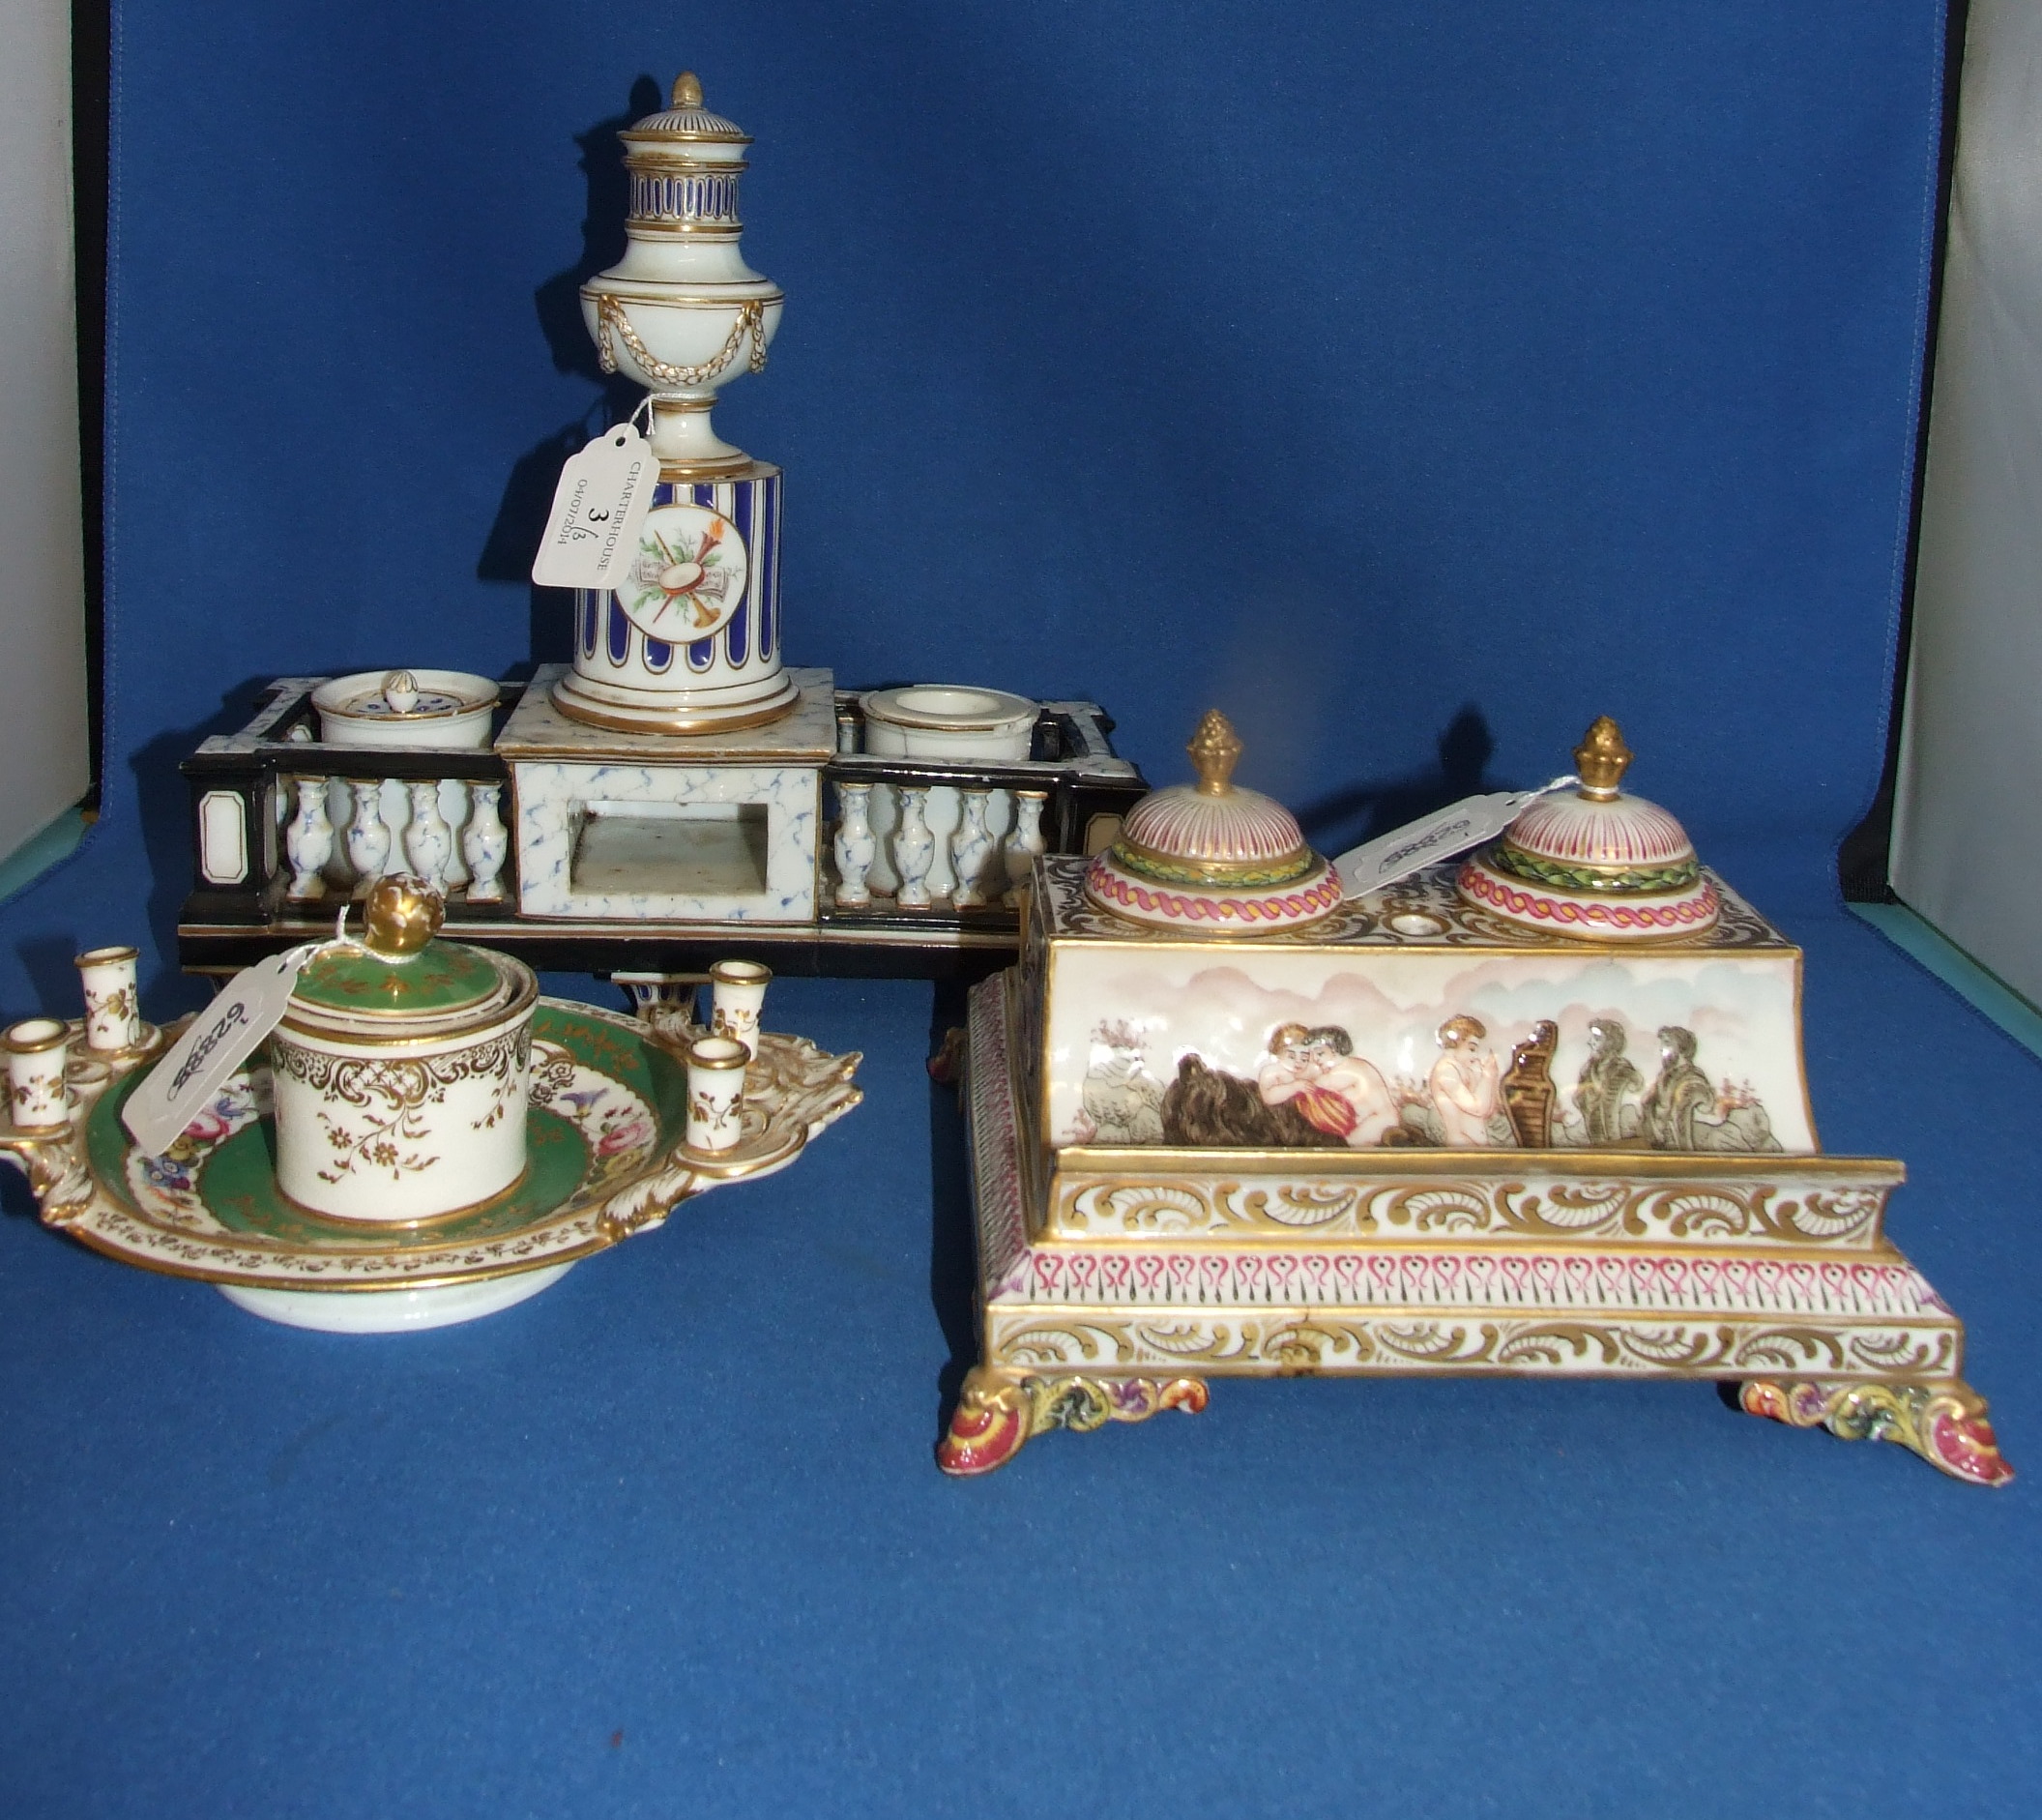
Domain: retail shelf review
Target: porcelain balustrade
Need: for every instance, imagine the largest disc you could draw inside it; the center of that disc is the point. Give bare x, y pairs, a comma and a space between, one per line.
341, 834
913, 847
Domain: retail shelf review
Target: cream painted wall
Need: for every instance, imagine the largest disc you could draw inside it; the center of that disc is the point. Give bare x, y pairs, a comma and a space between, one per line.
44, 761
1968, 810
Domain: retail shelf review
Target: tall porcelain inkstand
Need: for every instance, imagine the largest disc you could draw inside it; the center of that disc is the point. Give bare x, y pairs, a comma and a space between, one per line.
689, 641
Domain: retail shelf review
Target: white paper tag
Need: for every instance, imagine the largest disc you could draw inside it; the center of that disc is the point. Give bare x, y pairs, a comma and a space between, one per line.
1440, 835
604, 493
218, 1039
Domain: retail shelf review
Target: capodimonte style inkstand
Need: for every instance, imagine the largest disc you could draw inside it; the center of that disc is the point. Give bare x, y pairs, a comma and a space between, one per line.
1543, 1115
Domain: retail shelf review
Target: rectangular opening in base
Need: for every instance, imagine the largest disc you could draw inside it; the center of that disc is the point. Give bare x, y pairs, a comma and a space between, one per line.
671, 849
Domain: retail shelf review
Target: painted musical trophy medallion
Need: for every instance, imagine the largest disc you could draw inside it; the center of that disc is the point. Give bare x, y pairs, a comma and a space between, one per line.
689, 575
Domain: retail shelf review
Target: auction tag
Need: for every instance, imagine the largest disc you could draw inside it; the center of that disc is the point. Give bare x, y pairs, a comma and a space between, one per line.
604, 493
218, 1039
1440, 835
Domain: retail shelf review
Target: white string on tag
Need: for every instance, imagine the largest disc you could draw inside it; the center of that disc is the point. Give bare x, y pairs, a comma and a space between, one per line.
599, 506
217, 1041
1378, 864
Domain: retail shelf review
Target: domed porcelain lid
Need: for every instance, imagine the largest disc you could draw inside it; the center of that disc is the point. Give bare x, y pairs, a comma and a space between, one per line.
686, 121
398, 980
1598, 839
1212, 855
1597, 864
1213, 831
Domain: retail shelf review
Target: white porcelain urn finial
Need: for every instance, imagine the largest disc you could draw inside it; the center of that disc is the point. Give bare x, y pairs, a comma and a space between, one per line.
682, 312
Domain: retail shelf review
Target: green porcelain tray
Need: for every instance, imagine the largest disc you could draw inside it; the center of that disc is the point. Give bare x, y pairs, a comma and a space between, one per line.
607, 1118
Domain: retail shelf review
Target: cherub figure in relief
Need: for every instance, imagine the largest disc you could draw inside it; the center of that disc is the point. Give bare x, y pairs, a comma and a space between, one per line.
1316, 1069
1465, 1089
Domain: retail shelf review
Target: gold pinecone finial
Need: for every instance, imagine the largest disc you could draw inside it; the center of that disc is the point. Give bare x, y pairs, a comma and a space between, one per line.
1216, 749
402, 915
1601, 760
687, 90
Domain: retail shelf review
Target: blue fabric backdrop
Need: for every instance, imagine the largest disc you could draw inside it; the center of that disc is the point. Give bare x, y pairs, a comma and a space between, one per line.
1416, 383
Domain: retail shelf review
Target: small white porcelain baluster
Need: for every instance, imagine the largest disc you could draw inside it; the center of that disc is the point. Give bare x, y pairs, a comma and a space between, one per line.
339, 873
914, 847
309, 842
1025, 841
427, 840
855, 846
485, 844
456, 804
971, 848
368, 836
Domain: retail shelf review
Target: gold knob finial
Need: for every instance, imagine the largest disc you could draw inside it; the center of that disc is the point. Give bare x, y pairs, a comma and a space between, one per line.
402, 915
1214, 749
1601, 760
687, 90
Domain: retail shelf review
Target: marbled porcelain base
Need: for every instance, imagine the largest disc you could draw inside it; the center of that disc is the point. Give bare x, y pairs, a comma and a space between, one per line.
720, 827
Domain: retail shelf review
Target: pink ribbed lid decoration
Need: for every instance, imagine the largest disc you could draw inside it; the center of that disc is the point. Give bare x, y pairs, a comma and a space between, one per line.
1211, 857
1242, 827
1626, 831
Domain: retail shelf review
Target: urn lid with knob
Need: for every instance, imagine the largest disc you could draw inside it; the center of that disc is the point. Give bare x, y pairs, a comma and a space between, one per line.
681, 312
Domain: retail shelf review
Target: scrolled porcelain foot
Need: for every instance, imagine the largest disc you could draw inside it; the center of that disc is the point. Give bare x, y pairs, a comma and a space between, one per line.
54, 1164
998, 1412
990, 1425
946, 1065
1943, 1422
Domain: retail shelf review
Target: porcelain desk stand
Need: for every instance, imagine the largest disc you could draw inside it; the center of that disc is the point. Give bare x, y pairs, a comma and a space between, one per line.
605, 1133
1403, 1136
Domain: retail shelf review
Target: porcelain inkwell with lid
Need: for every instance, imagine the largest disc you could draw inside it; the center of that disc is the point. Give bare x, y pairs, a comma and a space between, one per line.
400, 1069
1595, 865
1212, 858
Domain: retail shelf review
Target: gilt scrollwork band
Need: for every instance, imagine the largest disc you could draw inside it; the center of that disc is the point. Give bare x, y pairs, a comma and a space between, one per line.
1786, 1213
407, 1080
1321, 1340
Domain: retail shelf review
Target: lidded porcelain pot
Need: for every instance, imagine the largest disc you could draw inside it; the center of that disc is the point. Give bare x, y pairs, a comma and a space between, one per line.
400, 1069
445, 710
1211, 857
1597, 864
681, 312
